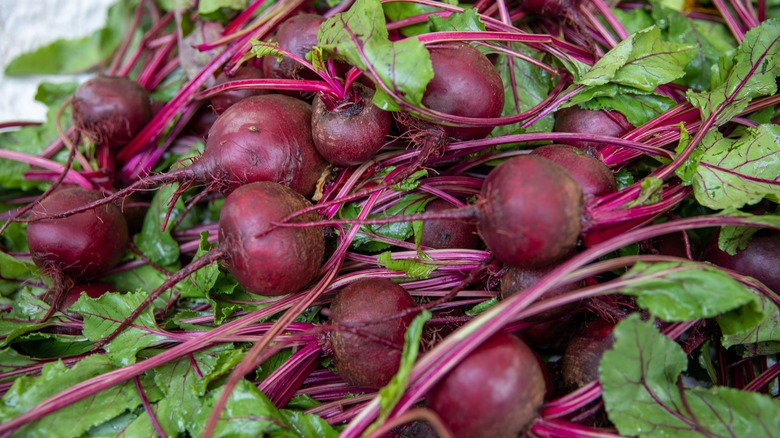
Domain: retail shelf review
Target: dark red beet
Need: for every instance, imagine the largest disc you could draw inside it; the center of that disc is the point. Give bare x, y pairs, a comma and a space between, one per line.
464, 83
298, 34
352, 133
578, 120
759, 260
530, 212
548, 8
580, 364
93, 290
225, 99
364, 362
263, 138
518, 279
495, 392
277, 263
82, 246
111, 110
593, 175
552, 334
444, 234
201, 122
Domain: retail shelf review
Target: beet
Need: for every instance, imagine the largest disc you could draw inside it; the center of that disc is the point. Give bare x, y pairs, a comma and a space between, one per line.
111, 110
580, 364
759, 260
352, 132
263, 138
530, 212
81, 246
223, 100
93, 290
444, 234
298, 34
518, 279
548, 8
359, 360
280, 262
496, 391
582, 121
593, 175
464, 83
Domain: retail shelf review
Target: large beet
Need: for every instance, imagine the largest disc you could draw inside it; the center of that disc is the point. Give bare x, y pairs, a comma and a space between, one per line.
82, 246
364, 362
495, 392
263, 138
280, 262
464, 83
530, 212
111, 110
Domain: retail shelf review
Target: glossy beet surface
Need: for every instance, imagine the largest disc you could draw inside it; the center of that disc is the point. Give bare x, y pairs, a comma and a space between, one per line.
298, 34
263, 138
351, 133
82, 246
111, 110
760, 260
582, 121
464, 83
495, 392
280, 262
530, 212
364, 362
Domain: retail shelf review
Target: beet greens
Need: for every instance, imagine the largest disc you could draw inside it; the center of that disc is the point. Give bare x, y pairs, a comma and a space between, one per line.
385, 218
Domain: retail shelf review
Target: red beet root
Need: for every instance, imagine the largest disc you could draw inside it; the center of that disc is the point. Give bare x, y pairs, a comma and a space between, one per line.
297, 35
84, 245
280, 262
530, 212
496, 391
759, 260
444, 234
93, 290
593, 175
352, 133
225, 99
578, 120
361, 361
111, 110
464, 83
580, 364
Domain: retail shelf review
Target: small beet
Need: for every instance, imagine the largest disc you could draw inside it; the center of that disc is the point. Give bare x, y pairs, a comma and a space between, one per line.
111, 110
464, 83
530, 212
225, 99
518, 279
593, 175
297, 34
495, 392
444, 234
93, 290
582, 121
759, 260
82, 246
280, 262
351, 133
364, 362
580, 364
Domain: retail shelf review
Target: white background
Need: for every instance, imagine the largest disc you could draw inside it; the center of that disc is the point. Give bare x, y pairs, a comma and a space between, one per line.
28, 24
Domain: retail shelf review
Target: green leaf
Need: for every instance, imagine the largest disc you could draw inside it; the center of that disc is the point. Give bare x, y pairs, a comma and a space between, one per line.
76, 55
73, 419
642, 61
154, 242
638, 108
104, 314
409, 204
397, 11
390, 394
682, 291
203, 280
262, 48
12, 268
466, 21
733, 173
763, 338
749, 74
734, 239
359, 36
411, 267
482, 307
220, 9
640, 376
